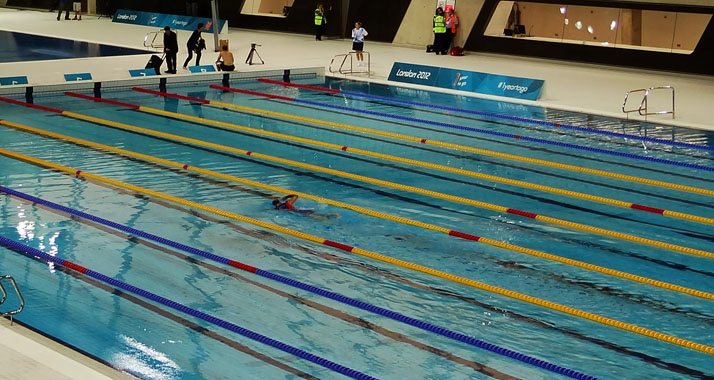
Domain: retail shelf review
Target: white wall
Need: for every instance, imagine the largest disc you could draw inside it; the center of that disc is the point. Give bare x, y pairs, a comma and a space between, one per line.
416, 28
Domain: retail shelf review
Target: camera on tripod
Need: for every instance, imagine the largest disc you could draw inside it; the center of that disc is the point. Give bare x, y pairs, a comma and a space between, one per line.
253, 53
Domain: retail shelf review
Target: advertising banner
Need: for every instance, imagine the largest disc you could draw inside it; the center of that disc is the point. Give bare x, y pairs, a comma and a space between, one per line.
483, 83
161, 20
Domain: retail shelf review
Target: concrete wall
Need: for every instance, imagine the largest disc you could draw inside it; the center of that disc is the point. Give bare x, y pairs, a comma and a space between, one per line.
3, 3
417, 23
416, 28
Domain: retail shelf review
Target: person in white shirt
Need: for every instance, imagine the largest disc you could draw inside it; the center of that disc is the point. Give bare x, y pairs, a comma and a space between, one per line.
358, 35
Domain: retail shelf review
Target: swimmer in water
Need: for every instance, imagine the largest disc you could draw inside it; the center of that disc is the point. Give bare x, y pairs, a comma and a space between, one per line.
287, 203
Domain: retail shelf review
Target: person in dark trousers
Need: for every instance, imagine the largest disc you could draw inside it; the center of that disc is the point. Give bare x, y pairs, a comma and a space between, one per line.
320, 22
171, 49
439, 31
63, 5
193, 45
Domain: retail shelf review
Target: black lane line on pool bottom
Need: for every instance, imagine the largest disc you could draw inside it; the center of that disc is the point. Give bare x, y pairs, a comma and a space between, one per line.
569, 206
368, 268
478, 160
166, 314
613, 250
559, 132
338, 314
511, 144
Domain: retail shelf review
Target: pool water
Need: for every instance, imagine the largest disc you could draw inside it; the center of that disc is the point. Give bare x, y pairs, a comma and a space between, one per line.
151, 341
21, 47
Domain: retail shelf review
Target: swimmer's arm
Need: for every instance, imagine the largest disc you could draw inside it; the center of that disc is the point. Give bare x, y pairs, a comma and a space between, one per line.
289, 200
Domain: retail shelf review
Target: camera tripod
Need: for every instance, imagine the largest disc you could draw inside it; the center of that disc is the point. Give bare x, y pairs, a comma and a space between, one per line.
253, 50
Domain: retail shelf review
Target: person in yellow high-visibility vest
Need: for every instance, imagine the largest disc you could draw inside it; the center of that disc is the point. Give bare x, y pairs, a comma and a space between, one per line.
320, 22
439, 31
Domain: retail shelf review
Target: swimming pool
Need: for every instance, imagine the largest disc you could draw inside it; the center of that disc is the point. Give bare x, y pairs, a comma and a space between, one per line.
21, 47
666, 236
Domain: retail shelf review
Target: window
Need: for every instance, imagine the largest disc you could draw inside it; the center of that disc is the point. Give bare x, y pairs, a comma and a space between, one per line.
272, 8
675, 32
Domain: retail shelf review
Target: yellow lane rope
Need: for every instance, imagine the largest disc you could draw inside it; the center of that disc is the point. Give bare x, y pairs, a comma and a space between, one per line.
466, 148
405, 264
443, 168
393, 185
495, 243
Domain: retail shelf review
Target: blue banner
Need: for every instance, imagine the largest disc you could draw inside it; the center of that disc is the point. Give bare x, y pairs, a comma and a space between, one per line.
201, 69
77, 77
10, 81
484, 83
142, 72
161, 20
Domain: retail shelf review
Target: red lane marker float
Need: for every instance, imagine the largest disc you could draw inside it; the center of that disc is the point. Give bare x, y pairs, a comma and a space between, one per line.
166, 94
288, 84
464, 235
522, 213
647, 208
337, 245
74, 266
108, 101
242, 266
252, 93
13, 101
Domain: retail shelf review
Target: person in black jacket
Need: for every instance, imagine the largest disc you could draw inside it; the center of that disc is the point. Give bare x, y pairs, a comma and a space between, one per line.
171, 49
193, 46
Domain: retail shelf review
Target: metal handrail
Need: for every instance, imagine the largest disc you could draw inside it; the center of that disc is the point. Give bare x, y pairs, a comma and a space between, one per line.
19, 296
643, 107
153, 40
343, 70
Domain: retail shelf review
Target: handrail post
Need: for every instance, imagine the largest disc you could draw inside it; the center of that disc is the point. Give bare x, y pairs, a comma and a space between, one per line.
19, 296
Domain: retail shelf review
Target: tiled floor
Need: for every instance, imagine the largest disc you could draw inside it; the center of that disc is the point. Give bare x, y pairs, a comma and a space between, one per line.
571, 86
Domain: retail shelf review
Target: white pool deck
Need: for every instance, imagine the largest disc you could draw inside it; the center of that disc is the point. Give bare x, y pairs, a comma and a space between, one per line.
586, 88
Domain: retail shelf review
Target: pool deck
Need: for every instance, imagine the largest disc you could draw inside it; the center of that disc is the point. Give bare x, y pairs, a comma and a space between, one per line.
586, 88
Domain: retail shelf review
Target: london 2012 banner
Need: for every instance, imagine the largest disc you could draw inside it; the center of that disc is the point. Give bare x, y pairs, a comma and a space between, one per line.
483, 83
161, 20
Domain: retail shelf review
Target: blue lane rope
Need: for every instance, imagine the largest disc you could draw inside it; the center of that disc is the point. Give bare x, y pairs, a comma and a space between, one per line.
322, 292
532, 121
509, 135
32, 252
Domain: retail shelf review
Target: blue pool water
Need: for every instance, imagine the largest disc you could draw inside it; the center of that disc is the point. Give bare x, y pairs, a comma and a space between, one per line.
154, 342
21, 47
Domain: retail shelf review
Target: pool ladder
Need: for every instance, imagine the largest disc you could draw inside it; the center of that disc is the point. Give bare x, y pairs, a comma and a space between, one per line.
4, 297
346, 66
642, 109
150, 40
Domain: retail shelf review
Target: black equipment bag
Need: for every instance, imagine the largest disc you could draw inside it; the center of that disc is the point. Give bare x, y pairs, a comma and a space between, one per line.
429, 48
155, 63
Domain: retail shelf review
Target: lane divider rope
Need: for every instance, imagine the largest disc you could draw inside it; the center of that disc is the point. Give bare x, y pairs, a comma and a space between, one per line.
376, 214
465, 148
313, 289
376, 256
30, 252
429, 165
478, 130
383, 183
490, 153
491, 114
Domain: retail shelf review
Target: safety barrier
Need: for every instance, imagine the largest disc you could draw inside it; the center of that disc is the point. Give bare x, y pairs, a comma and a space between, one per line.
30, 252
494, 115
482, 131
393, 185
376, 256
443, 168
313, 289
454, 233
